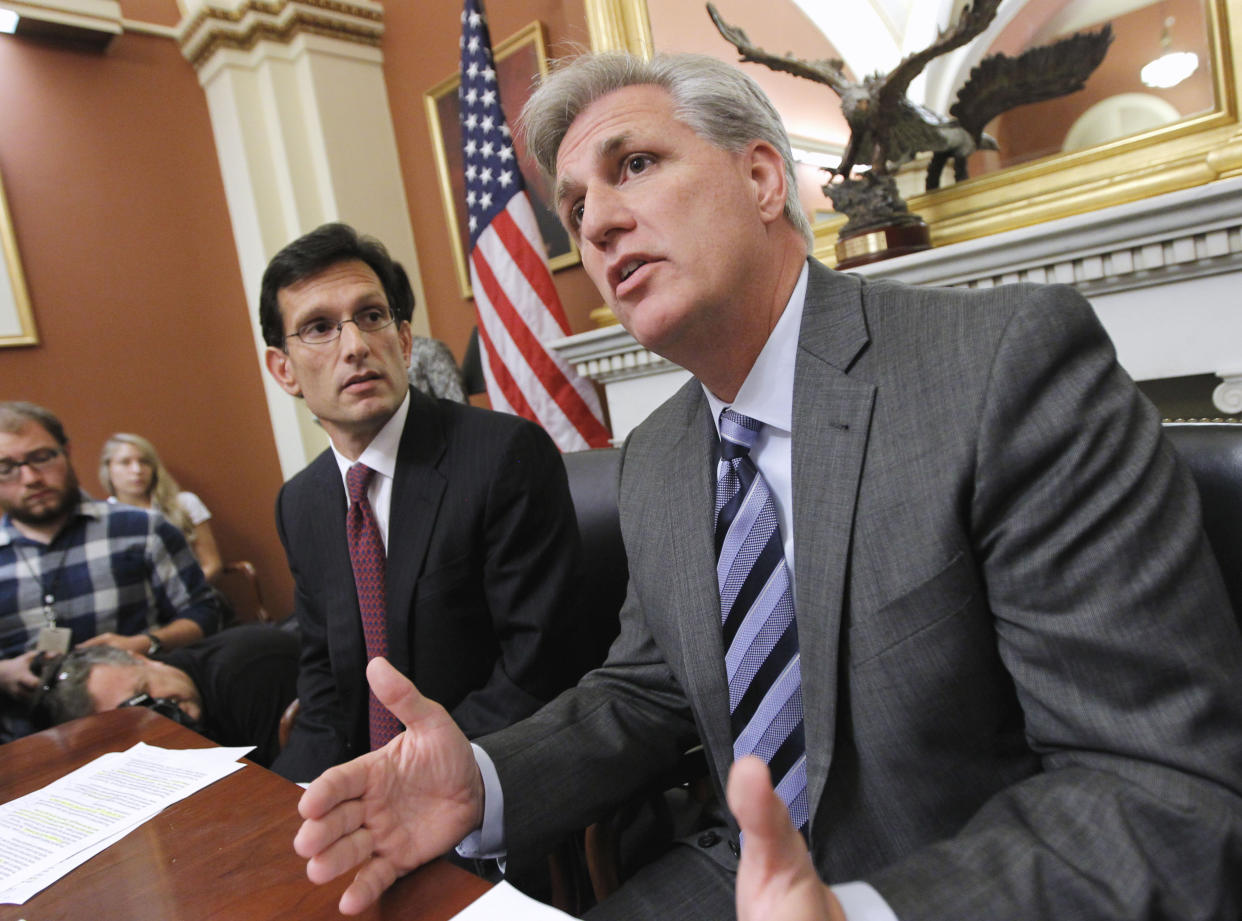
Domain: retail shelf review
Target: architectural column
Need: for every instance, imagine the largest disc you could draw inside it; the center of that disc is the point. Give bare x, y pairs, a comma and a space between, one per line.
303, 129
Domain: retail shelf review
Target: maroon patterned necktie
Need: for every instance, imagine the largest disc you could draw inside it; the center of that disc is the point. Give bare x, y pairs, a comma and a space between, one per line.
366, 554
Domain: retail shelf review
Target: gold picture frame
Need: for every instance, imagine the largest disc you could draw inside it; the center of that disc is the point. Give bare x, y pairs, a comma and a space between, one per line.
1188, 153
17, 326
520, 58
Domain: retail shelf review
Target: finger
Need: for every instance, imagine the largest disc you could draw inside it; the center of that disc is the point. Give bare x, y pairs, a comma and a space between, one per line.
28, 681
334, 786
317, 834
369, 884
769, 834
341, 856
398, 694
98, 640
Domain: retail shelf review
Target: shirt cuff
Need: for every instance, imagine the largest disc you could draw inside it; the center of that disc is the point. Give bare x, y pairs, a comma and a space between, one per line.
861, 902
488, 841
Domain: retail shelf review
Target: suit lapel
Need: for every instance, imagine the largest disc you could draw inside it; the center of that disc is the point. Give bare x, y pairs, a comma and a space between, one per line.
418, 486
831, 420
689, 486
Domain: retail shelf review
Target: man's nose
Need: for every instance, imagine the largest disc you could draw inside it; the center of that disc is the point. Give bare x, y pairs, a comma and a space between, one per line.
604, 214
29, 473
353, 343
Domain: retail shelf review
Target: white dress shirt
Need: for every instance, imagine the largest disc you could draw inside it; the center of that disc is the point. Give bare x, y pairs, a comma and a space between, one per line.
381, 456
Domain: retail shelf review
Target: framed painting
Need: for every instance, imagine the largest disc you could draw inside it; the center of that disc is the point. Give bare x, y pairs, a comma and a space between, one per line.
520, 59
17, 325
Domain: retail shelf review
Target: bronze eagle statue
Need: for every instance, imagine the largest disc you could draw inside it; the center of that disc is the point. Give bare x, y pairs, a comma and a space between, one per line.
887, 129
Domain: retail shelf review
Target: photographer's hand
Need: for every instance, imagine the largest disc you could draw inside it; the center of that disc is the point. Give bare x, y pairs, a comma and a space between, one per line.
17, 679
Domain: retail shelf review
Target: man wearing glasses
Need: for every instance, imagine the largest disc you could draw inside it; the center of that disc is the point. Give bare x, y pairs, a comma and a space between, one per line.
438, 535
78, 572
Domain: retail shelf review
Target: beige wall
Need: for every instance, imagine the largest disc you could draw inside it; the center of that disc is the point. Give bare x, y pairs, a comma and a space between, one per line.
119, 213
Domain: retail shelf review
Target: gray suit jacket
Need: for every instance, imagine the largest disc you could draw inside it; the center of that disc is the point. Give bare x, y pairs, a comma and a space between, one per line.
1022, 679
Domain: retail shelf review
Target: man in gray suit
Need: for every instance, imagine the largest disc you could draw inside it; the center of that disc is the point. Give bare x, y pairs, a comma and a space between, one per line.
1009, 687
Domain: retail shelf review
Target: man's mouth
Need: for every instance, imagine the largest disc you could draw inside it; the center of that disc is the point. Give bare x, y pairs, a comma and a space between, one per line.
361, 379
631, 267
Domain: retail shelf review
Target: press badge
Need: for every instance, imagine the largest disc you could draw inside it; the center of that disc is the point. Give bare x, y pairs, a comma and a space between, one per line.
54, 640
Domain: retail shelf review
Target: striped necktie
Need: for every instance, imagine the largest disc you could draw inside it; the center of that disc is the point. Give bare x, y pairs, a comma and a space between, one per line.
366, 555
757, 616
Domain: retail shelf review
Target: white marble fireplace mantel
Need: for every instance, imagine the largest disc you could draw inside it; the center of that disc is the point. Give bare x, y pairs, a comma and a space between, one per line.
1164, 274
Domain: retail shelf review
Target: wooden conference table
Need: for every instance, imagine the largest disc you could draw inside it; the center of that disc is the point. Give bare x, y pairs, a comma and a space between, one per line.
225, 852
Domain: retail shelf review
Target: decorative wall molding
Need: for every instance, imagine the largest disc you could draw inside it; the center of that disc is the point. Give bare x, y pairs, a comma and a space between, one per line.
1158, 240
610, 354
1228, 394
214, 28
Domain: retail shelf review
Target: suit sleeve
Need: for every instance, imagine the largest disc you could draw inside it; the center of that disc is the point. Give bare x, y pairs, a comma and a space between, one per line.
573, 761
1111, 619
317, 740
531, 553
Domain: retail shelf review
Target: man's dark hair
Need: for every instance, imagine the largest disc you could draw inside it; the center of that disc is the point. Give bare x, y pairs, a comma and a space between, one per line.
15, 415
322, 248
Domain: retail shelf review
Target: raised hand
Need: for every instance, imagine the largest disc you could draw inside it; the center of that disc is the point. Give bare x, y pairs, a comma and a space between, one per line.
396, 808
775, 878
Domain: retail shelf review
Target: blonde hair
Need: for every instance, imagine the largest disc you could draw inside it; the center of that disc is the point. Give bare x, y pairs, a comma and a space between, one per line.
164, 489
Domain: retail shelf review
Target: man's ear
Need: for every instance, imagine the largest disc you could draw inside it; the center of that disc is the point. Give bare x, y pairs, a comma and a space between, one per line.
281, 369
405, 333
767, 172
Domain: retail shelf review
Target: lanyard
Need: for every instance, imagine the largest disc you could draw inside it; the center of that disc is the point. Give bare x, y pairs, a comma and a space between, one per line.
49, 591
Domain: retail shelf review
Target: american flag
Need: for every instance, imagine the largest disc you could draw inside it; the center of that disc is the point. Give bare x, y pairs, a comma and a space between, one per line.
517, 305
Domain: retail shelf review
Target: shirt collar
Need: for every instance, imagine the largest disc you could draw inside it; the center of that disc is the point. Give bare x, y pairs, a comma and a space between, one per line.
381, 454
767, 392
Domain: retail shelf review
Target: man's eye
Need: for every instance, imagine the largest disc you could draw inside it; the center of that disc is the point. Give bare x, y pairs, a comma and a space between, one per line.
637, 163
42, 456
372, 315
576, 213
7, 467
316, 328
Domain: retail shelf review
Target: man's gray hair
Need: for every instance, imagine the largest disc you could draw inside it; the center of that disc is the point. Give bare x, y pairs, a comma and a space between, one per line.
69, 698
715, 100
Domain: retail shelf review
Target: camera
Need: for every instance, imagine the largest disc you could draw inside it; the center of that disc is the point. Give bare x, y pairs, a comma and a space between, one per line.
164, 706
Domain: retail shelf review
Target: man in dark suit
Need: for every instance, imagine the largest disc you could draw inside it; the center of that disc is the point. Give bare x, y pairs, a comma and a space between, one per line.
468, 512
925, 552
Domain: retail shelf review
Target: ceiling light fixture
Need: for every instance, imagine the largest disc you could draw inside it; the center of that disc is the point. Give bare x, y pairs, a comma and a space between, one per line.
1172, 67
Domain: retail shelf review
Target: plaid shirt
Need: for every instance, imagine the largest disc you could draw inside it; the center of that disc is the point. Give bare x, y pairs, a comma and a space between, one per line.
111, 569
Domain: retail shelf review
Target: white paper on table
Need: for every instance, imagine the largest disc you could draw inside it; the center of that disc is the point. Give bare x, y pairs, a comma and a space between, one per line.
49, 832
504, 903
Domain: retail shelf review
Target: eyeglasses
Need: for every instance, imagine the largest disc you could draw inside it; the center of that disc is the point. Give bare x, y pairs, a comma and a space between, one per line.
321, 331
41, 459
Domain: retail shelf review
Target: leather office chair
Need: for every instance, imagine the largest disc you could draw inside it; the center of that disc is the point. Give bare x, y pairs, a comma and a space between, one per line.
602, 568
238, 582
1213, 451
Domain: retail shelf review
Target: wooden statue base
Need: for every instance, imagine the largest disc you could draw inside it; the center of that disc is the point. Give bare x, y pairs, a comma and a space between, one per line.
883, 243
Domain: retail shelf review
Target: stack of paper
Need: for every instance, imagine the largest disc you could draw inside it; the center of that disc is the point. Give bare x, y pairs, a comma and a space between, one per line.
45, 834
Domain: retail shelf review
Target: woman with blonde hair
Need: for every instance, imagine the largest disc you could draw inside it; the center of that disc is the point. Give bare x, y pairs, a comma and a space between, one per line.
132, 472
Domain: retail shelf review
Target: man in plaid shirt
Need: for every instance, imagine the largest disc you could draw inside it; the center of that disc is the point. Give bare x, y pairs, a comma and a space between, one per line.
78, 572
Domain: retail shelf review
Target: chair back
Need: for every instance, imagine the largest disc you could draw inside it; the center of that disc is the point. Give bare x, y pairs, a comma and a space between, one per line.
603, 571
1213, 451
238, 582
